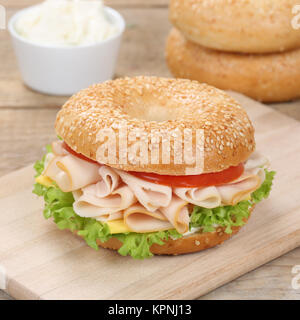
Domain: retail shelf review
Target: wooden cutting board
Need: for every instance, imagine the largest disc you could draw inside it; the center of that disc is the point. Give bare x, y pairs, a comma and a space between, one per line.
42, 262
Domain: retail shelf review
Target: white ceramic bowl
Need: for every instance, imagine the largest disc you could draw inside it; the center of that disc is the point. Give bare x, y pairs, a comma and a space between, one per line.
60, 70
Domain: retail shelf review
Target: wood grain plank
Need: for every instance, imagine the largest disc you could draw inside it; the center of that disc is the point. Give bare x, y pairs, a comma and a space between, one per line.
231, 293
260, 240
142, 52
23, 135
17, 4
4, 296
62, 278
291, 109
271, 281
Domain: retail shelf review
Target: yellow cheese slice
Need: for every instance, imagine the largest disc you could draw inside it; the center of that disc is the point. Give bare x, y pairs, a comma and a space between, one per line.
45, 181
117, 226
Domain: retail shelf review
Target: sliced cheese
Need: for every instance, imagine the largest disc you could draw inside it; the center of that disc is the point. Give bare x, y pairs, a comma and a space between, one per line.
117, 226
248, 197
44, 180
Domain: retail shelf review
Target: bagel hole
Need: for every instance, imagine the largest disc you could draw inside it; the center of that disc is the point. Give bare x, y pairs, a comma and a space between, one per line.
155, 113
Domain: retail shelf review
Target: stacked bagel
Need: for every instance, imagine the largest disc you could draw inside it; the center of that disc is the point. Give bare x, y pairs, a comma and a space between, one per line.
245, 46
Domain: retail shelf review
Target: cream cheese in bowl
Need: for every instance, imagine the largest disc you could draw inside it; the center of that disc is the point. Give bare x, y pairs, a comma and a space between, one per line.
63, 46
69, 23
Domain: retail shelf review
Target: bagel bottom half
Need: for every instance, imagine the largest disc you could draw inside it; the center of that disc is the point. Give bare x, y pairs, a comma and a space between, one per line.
192, 243
270, 77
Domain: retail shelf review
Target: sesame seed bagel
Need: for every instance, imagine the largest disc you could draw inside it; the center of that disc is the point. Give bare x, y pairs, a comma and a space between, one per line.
187, 244
157, 105
256, 26
266, 77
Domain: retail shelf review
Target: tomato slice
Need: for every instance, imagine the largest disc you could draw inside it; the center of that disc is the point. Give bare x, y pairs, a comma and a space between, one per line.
78, 155
194, 181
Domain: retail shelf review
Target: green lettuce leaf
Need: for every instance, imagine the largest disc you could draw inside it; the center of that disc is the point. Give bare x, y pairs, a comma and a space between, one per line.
93, 230
138, 245
265, 189
59, 207
39, 165
230, 216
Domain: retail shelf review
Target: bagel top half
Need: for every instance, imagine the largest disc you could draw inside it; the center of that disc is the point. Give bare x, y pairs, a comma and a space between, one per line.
256, 26
161, 105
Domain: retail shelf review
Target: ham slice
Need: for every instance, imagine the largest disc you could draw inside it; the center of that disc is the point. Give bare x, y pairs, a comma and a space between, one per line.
152, 196
241, 188
71, 173
58, 149
111, 216
231, 193
260, 172
51, 169
139, 219
203, 197
256, 160
49, 157
109, 182
106, 194
88, 204
177, 213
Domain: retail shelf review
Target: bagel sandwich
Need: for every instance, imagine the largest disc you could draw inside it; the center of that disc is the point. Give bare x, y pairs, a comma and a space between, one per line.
117, 200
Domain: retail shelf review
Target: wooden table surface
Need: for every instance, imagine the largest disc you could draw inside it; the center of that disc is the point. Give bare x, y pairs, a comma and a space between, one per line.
26, 124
